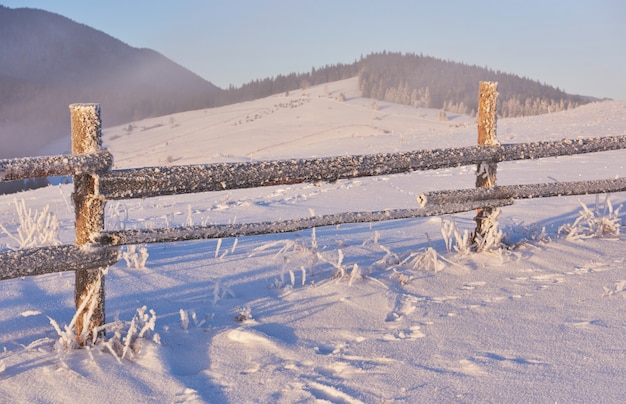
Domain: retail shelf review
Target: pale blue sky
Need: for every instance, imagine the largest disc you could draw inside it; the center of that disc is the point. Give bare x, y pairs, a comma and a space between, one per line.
579, 46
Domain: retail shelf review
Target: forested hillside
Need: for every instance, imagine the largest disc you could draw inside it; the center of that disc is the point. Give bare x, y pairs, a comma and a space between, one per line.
424, 81
421, 81
284, 83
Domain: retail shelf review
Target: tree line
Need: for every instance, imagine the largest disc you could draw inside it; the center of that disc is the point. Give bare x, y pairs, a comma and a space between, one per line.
261, 88
420, 81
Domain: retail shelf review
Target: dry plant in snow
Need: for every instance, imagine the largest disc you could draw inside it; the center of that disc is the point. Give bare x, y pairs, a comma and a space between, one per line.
594, 223
35, 228
135, 256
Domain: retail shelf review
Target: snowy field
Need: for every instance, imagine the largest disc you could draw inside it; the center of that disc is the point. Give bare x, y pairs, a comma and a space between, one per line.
393, 311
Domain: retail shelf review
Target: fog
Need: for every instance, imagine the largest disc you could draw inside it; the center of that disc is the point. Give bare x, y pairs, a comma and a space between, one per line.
49, 62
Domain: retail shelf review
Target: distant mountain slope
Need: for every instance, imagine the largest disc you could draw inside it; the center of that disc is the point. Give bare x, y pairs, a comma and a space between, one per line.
48, 62
424, 81
420, 81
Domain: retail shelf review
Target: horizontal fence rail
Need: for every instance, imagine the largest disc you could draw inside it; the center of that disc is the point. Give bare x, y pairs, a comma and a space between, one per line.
526, 191
44, 260
147, 236
431, 204
161, 181
48, 166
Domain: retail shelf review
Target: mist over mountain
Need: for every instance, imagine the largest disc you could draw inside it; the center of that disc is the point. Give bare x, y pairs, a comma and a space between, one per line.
48, 61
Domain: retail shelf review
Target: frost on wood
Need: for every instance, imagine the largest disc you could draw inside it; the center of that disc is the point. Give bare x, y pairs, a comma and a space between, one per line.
487, 98
488, 234
486, 171
126, 237
88, 207
90, 307
89, 212
44, 260
87, 157
486, 175
156, 181
70, 164
86, 128
524, 191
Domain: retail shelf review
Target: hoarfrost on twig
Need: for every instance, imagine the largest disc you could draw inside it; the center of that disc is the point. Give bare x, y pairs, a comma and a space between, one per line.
35, 228
594, 223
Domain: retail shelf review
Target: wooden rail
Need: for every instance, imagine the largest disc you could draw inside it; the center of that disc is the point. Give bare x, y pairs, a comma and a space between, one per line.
47, 166
160, 181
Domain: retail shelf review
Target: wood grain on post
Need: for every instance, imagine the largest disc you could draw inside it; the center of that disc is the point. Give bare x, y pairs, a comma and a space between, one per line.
89, 212
486, 171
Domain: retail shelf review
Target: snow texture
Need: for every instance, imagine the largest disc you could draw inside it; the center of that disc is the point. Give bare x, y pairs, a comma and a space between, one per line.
369, 312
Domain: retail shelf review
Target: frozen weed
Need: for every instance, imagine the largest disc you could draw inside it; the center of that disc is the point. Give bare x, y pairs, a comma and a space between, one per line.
290, 250
594, 223
190, 317
372, 240
125, 343
35, 228
491, 237
184, 320
117, 214
403, 279
68, 338
136, 331
120, 346
453, 239
425, 260
340, 271
135, 256
217, 247
490, 240
388, 261
221, 291
280, 281
355, 274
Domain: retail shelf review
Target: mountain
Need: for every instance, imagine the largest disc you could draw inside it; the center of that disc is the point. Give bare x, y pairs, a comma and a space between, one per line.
48, 61
428, 82
422, 81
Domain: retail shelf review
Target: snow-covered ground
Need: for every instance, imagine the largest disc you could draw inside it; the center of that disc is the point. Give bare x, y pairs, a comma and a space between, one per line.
367, 313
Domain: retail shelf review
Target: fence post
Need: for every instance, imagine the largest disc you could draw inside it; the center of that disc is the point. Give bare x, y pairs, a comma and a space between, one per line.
486, 171
89, 212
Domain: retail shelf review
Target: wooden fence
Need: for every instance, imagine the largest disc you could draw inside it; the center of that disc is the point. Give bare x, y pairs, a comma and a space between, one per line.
95, 183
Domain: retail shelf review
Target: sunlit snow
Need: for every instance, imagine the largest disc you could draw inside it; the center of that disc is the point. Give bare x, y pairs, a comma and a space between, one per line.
372, 312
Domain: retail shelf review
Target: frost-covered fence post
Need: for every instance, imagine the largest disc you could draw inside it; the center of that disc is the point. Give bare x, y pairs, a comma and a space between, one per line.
486, 223
89, 211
